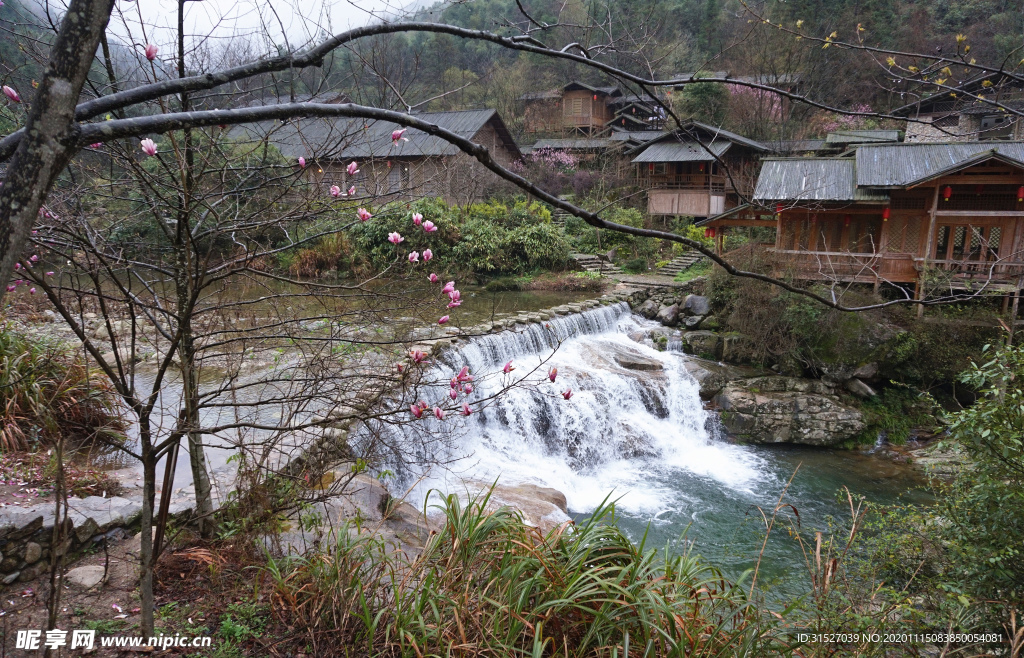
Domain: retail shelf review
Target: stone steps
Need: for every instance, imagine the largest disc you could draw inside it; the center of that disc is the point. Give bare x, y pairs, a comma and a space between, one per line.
681, 263
591, 263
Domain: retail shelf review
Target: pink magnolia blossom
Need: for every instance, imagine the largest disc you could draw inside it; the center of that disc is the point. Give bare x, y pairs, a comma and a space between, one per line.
455, 304
397, 135
364, 214
433, 278
467, 389
10, 93
352, 168
49, 274
417, 218
17, 266
444, 318
151, 52
96, 145
148, 147
508, 368
302, 162
352, 191
453, 394
34, 258
31, 291
400, 367
414, 256
11, 288
395, 238
418, 356
439, 413
567, 393
416, 411
429, 227
463, 375
427, 255
335, 191
448, 287
552, 374
466, 410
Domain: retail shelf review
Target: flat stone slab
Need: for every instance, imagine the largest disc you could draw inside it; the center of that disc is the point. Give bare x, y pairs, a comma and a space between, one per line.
85, 577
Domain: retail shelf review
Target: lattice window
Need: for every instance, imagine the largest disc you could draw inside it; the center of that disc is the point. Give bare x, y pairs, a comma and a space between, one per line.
805, 233
959, 239
994, 236
942, 242
912, 236
909, 203
948, 121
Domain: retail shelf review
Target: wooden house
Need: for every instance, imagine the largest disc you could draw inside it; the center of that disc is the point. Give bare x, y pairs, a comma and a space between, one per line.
697, 170
421, 165
973, 114
575, 109
947, 214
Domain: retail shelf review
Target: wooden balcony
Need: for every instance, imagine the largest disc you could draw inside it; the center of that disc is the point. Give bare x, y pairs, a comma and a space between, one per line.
681, 201
848, 266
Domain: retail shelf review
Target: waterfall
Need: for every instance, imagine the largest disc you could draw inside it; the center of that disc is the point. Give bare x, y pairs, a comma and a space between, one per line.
634, 428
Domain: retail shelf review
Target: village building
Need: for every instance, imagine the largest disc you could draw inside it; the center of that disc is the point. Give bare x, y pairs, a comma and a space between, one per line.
946, 216
582, 110
974, 114
417, 165
697, 170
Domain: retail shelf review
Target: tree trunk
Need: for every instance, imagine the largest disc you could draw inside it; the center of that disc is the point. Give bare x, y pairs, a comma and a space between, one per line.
50, 130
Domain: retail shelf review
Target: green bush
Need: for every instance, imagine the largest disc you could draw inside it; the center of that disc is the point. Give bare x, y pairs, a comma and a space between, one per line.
590, 240
635, 265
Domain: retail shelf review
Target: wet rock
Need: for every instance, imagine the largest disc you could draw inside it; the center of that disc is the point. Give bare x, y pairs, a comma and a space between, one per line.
636, 361
541, 507
860, 389
649, 309
697, 305
693, 322
705, 344
85, 577
737, 348
669, 315
409, 524
712, 376
786, 410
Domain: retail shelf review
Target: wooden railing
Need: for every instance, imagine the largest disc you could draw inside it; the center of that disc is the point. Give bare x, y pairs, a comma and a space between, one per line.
691, 182
849, 266
977, 269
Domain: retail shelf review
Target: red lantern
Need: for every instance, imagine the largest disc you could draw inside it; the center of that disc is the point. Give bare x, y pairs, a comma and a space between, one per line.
846, 220
1020, 194
702, 167
885, 215
650, 167
946, 193
709, 233
595, 97
778, 209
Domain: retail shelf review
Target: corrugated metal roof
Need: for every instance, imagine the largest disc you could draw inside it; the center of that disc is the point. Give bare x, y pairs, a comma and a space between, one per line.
899, 165
796, 145
636, 135
581, 144
344, 138
695, 130
862, 136
683, 151
811, 179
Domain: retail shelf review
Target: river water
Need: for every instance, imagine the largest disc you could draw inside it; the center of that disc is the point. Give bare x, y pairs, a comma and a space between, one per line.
640, 435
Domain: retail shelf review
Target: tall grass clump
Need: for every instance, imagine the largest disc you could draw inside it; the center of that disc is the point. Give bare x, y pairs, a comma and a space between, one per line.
46, 392
487, 584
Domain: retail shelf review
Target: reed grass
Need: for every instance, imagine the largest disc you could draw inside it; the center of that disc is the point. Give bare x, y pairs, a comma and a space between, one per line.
47, 392
487, 584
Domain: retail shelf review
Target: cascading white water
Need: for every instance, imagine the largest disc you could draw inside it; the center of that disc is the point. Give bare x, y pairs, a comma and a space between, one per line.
634, 428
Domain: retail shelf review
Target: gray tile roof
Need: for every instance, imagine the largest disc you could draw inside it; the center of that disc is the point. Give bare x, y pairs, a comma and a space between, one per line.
344, 138
811, 179
580, 144
683, 151
899, 165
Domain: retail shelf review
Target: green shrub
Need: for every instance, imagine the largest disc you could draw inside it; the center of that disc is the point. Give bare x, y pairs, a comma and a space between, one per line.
635, 265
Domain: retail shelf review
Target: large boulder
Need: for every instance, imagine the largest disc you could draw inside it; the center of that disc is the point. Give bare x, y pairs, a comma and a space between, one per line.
696, 305
737, 348
705, 344
649, 309
860, 389
669, 315
786, 410
542, 507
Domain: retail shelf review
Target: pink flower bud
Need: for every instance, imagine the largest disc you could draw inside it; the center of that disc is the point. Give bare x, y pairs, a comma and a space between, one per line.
400, 368
414, 256
395, 238
302, 162
364, 214
448, 287
467, 389
17, 266
552, 374
31, 291
148, 147
49, 274
454, 304
34, 258
466, 410
453, 394
427, 255
352, 191
567, 393
151, 52
444, 318
416, 411
439, 413
417, 218
397, 135
335, 191
508, 368
429, 227
433, 278
11, 288
10, 93
96, 145
352, 168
